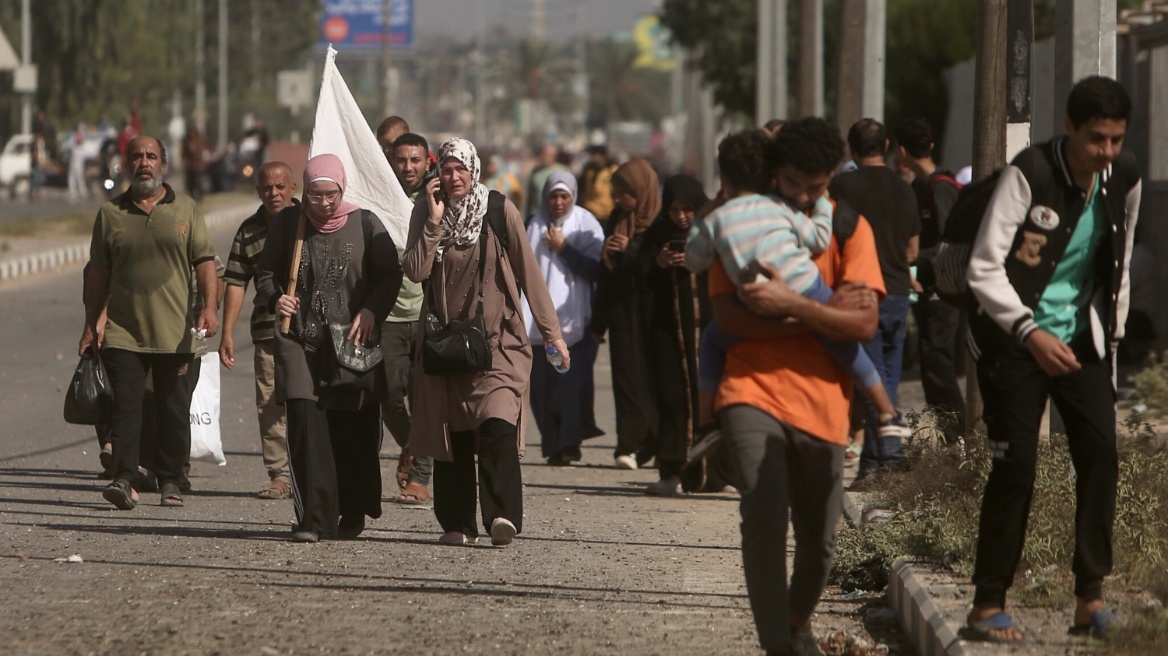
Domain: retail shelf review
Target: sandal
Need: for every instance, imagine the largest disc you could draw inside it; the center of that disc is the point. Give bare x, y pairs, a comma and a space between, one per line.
980, 631
121, 494
414, 494
1101, 622
171, 495
405, 462
277, 488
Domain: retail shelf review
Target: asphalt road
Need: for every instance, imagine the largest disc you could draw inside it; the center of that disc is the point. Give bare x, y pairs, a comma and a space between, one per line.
600, 569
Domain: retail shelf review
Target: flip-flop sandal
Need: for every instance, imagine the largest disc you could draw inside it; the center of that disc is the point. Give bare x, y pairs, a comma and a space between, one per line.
120, 494
414, 495
275, 490
405, 463
980, 631
1101, 622
171, 496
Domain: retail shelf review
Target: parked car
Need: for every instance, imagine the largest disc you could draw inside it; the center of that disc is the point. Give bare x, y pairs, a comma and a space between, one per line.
16, 166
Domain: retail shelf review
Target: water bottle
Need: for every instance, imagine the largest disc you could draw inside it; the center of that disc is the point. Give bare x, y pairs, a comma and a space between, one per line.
556, 359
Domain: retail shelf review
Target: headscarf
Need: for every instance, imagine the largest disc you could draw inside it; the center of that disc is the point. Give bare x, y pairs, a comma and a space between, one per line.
463, 219
685, 188
327, 167
556, 180
638, 178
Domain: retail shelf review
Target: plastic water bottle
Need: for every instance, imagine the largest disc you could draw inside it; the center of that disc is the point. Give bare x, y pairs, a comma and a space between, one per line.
556, 359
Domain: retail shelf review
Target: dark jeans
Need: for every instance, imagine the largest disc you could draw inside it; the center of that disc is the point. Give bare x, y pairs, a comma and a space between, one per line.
499, 485
1015, 390
397, 343
171, 408
887, 352
937, 327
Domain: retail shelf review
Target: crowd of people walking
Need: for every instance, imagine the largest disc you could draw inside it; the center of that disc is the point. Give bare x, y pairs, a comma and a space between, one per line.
744, 321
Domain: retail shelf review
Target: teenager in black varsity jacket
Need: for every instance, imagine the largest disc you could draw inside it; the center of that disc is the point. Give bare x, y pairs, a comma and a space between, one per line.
1049, 270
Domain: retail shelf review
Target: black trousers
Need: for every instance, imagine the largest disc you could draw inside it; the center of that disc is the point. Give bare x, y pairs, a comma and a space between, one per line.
171, 403
499, 485
938, 324
668, 393
636, 415
1015, 390
335, 465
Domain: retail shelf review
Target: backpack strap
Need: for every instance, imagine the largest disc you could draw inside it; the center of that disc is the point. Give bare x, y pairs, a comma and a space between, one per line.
497, 217
844, 220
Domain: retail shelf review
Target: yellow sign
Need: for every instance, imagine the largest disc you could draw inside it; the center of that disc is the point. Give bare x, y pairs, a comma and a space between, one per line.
652, 43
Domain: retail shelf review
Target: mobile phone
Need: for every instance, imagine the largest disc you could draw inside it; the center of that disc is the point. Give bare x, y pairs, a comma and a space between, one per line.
431, 173
677, 245
753, 272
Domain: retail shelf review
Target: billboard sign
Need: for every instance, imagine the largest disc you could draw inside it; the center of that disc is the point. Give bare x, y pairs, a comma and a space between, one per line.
357, 24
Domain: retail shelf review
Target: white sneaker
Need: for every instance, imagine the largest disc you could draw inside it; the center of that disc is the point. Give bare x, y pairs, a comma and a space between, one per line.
666, 487
502, 531
454, 538
626, 462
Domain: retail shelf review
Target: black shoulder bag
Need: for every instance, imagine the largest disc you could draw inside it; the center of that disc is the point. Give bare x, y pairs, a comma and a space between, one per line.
459, 347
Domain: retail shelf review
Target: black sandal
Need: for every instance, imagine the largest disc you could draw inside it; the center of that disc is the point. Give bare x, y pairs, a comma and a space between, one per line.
171, 495
121, 494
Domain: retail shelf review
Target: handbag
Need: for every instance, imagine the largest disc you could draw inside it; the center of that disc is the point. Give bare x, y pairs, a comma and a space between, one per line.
89, 397
459, 347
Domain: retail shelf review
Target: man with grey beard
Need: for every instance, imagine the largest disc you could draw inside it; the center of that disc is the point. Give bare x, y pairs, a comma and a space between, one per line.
139, 313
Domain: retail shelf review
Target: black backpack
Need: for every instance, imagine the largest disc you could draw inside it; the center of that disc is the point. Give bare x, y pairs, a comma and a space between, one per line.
952, 258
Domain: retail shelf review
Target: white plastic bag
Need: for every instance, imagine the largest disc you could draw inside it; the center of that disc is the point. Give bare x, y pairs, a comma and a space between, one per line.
206, 443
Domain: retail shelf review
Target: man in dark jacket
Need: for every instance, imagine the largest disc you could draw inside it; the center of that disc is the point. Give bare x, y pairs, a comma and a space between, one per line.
1049, 269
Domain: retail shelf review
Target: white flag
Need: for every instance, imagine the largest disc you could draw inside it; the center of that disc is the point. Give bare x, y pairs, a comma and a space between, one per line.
342, 131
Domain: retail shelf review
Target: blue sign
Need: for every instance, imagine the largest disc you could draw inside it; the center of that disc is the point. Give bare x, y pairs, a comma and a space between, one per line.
357, 24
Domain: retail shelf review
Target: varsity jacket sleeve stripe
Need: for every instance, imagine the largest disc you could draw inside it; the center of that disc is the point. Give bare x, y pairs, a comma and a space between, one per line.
1005, 213
1123, 300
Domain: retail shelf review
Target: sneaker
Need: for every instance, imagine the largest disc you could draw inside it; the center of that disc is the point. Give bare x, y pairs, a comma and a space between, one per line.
454, 538
894, 427
666, 487
803, 642
625, 462
502, 531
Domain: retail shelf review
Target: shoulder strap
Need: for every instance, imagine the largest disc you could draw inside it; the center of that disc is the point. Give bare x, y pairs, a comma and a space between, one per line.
844, 220
497, 217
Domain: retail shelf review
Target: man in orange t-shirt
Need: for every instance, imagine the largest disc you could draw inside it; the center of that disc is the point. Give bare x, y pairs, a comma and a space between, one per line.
783, 401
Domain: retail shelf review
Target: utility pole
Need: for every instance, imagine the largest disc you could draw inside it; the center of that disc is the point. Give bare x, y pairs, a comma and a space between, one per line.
771, 87
872, 79
222, 74
989, 141
848, 107
1084, 44
200, 68
811, 58
1019, 88
25, 60
539, 20
386, 58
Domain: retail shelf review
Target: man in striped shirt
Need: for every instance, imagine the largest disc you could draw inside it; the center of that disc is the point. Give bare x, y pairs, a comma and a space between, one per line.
276, 189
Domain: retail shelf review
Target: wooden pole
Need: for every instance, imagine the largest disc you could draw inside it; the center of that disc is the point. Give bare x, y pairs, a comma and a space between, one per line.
989, 142
294, 266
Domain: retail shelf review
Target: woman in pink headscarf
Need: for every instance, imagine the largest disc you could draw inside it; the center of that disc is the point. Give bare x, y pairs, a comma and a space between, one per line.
348, 277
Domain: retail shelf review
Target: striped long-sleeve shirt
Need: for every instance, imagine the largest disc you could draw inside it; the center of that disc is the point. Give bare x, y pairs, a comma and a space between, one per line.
763, 228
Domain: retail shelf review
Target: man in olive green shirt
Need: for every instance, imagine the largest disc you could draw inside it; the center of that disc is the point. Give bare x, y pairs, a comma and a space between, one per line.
139, 312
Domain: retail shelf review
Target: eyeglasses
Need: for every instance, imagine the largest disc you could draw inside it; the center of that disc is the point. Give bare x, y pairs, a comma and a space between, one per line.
317, 199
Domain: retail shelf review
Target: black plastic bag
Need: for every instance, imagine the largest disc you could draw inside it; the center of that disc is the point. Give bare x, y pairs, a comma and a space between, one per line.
88, 399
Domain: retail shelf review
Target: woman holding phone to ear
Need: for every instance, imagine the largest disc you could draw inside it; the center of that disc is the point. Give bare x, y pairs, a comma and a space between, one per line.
468, 248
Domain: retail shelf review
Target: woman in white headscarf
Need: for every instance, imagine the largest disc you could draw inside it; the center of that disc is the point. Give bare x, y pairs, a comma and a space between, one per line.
455, 227
567, 241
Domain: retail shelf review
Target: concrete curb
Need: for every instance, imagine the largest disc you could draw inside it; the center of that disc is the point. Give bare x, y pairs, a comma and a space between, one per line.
919, 617
78, 251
